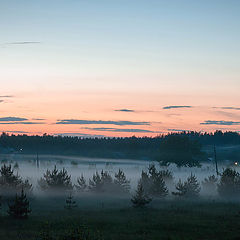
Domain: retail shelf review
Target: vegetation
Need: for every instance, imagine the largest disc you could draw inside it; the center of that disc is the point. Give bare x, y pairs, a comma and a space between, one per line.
140, 199
181, 151
10, 182
153, 182
20, 207
129, 147
188, 189
229, 186
81, 185
56, 180
210, 183
70, 203
121, 182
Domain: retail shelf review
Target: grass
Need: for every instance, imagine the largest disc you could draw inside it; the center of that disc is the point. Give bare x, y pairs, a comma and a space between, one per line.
116, 220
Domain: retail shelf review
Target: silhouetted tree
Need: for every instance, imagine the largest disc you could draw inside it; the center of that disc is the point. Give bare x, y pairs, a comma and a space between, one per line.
210, 183
153, 182
229, 185
140, 199
56, 180
120, 180
95, 184
180, 150
10, 182
20, 207
101, 183
189, 189
70, 203
81, 184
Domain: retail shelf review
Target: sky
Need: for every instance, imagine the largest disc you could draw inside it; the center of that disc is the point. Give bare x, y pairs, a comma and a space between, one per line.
119, 68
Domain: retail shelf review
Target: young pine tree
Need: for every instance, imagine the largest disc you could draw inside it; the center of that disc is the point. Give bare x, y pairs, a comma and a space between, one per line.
81, 184
20, 207
210, 184
70, 203
56, 180
229, 186
95, 184
189, 189
140, 199
122, 183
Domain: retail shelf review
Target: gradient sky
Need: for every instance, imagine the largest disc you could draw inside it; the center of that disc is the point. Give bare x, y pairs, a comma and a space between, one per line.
119, 67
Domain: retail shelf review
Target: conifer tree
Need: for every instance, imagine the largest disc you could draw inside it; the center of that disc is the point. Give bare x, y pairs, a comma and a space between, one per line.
70, 203
121, 181
140, 199
81, 184
95, 184
210, 183
56, 180
189, 189
12, 182
229, 185
20, 207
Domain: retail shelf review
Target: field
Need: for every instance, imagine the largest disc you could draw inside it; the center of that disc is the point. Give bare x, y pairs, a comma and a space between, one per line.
112, 217
116, 219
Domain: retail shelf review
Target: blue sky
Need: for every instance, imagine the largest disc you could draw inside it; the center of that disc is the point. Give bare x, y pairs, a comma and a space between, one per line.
185, 51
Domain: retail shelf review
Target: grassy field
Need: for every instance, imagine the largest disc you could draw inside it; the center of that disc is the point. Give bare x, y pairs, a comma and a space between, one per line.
116, 219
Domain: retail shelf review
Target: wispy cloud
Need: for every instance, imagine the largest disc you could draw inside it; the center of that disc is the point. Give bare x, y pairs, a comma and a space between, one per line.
6, 96
228, 108
11, 119
171, 107
121, 130
21, 132
27, 123
83, 135
1, 101
124, 110
22, 43
38, 119
177, 130
122, 123
222, 122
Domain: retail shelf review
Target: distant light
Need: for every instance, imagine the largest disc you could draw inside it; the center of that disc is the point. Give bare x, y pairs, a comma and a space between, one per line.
236, 163
21, 149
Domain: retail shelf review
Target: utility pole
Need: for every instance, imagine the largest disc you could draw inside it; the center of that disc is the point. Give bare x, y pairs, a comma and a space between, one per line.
37, 159
215, 158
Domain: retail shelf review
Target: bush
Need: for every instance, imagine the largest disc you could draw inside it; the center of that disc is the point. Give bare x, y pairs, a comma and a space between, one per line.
81, 184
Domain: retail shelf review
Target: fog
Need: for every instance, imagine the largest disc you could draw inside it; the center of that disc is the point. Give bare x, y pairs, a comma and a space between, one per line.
28, 168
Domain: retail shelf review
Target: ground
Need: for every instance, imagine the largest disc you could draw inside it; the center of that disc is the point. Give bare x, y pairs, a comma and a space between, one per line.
116, 220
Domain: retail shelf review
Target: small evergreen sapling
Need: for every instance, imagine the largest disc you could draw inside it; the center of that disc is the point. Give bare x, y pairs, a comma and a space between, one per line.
122, 183
229, 185
210, 183
81, 184
140, 199
70, 203
20, 207
189, 189
56, 180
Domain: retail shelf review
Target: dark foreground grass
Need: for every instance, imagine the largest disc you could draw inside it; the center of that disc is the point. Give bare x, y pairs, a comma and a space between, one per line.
117, 220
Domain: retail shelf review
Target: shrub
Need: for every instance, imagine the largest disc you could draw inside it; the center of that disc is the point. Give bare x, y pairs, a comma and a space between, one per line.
81, 184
